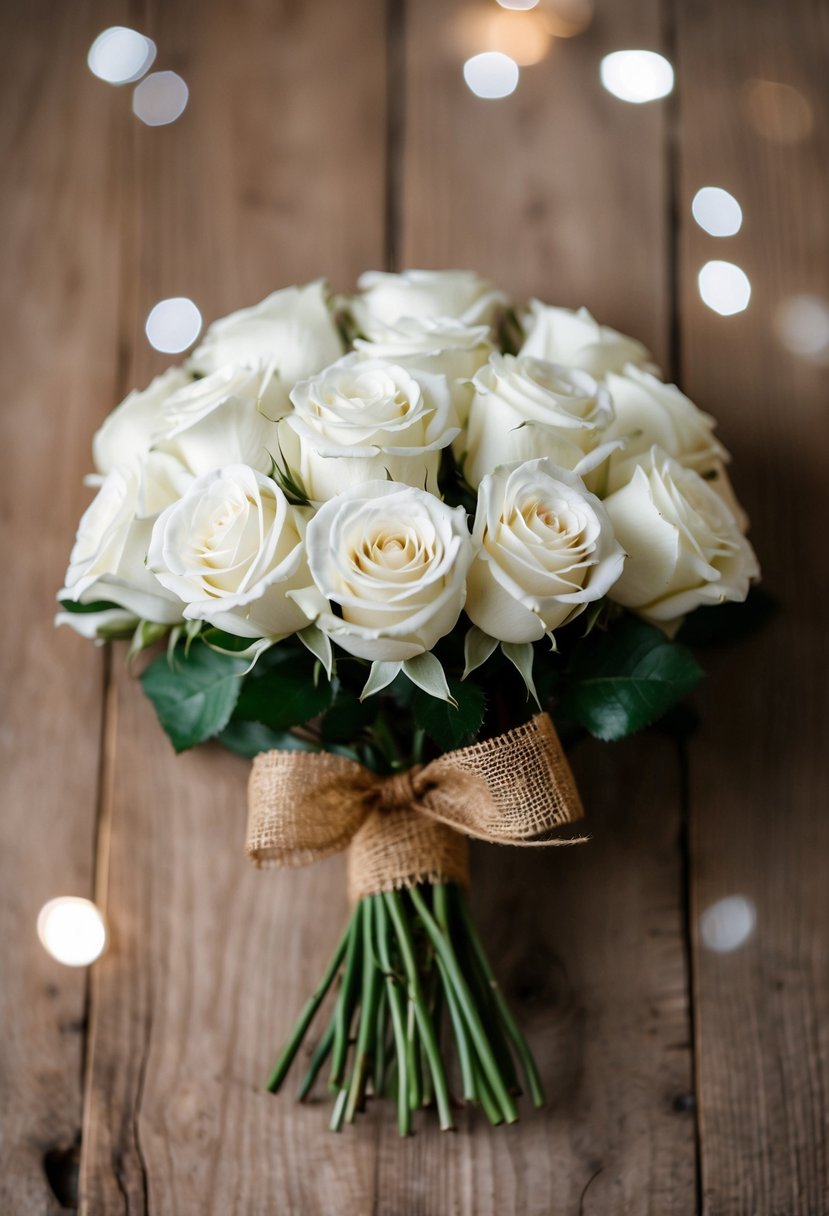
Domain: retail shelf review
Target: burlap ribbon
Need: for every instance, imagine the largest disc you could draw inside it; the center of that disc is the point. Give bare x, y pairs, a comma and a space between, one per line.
513, 789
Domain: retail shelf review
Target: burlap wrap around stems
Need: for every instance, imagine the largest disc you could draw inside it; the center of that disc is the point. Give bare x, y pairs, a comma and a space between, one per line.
412, 827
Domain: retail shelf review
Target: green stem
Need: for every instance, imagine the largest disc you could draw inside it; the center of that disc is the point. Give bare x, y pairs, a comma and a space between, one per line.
490, 1107
426, 1078
368, 1012
394, 903
378, 1064
473, 1021
418, 743
337, 1113
470, 1091
484, 999
317, 1060
388, 744
396, 1006
346, 999
510, 1025
413, 1057
307, 1016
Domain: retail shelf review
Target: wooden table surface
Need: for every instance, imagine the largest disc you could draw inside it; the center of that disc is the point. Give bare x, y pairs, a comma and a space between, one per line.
322, 138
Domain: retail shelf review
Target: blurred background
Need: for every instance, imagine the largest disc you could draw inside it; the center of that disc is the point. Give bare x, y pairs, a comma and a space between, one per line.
662, 162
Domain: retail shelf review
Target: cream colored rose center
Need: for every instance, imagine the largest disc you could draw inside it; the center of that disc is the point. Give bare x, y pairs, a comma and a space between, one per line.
400, 552
549, 523
231, 540
374, 395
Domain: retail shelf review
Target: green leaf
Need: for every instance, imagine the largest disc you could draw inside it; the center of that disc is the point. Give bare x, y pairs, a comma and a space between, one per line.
287, 692
252, 651
218, 640
194, 694
591, 616
521, 655
451, 726
289, 480
319, 644
381, 675
477, 647
426, 671
96, 606
251, 738
146, 634
625, 679
347, 717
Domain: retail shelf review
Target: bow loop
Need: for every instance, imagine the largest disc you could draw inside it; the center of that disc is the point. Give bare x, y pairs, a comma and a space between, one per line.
514, 789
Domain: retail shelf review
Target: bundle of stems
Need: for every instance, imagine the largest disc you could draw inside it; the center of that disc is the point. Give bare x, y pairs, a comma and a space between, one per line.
408, 961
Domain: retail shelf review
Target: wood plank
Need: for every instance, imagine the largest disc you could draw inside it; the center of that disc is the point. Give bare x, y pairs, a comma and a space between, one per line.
759, 795
558, 190
542, 192
59, 215
587, 945
274, 174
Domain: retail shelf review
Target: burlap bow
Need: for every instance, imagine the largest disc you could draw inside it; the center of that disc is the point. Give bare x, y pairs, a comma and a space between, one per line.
412, 827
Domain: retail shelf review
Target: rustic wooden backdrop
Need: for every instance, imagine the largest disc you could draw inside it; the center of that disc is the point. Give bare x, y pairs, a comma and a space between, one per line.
324, 138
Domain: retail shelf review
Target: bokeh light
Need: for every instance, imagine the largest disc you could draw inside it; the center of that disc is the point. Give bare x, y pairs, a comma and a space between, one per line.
72, 930
520, 35
778, 112
636, 76
716, 211
565, 18
727, 924
801, 323
724, 287
120, 55
491, 74
160, 98
173, 325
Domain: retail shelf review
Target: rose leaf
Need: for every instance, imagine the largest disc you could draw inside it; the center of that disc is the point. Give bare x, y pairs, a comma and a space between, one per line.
449, 726
623, 680
194, 693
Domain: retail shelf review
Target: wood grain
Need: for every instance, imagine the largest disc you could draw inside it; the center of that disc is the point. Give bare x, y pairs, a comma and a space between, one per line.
759, 779
539, 191
273, 175
58, 312
542, 190
587, 946
291, 161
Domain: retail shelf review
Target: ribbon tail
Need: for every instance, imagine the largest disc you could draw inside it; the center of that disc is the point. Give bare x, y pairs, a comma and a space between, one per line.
514, 789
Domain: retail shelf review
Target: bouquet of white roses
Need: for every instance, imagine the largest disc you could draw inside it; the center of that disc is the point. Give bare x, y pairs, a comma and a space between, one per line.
385, 536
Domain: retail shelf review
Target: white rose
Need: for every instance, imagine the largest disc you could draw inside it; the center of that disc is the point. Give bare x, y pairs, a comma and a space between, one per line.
433, 344
293, 330
363, 419
107, 562
575, 339
384, 298
226, 418
231, 549
716, 476
131, 428
394, 559
684, 547
650, 414
544, 550
525, 408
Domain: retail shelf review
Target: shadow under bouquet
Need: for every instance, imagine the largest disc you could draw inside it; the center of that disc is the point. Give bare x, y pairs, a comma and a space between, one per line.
389, 538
